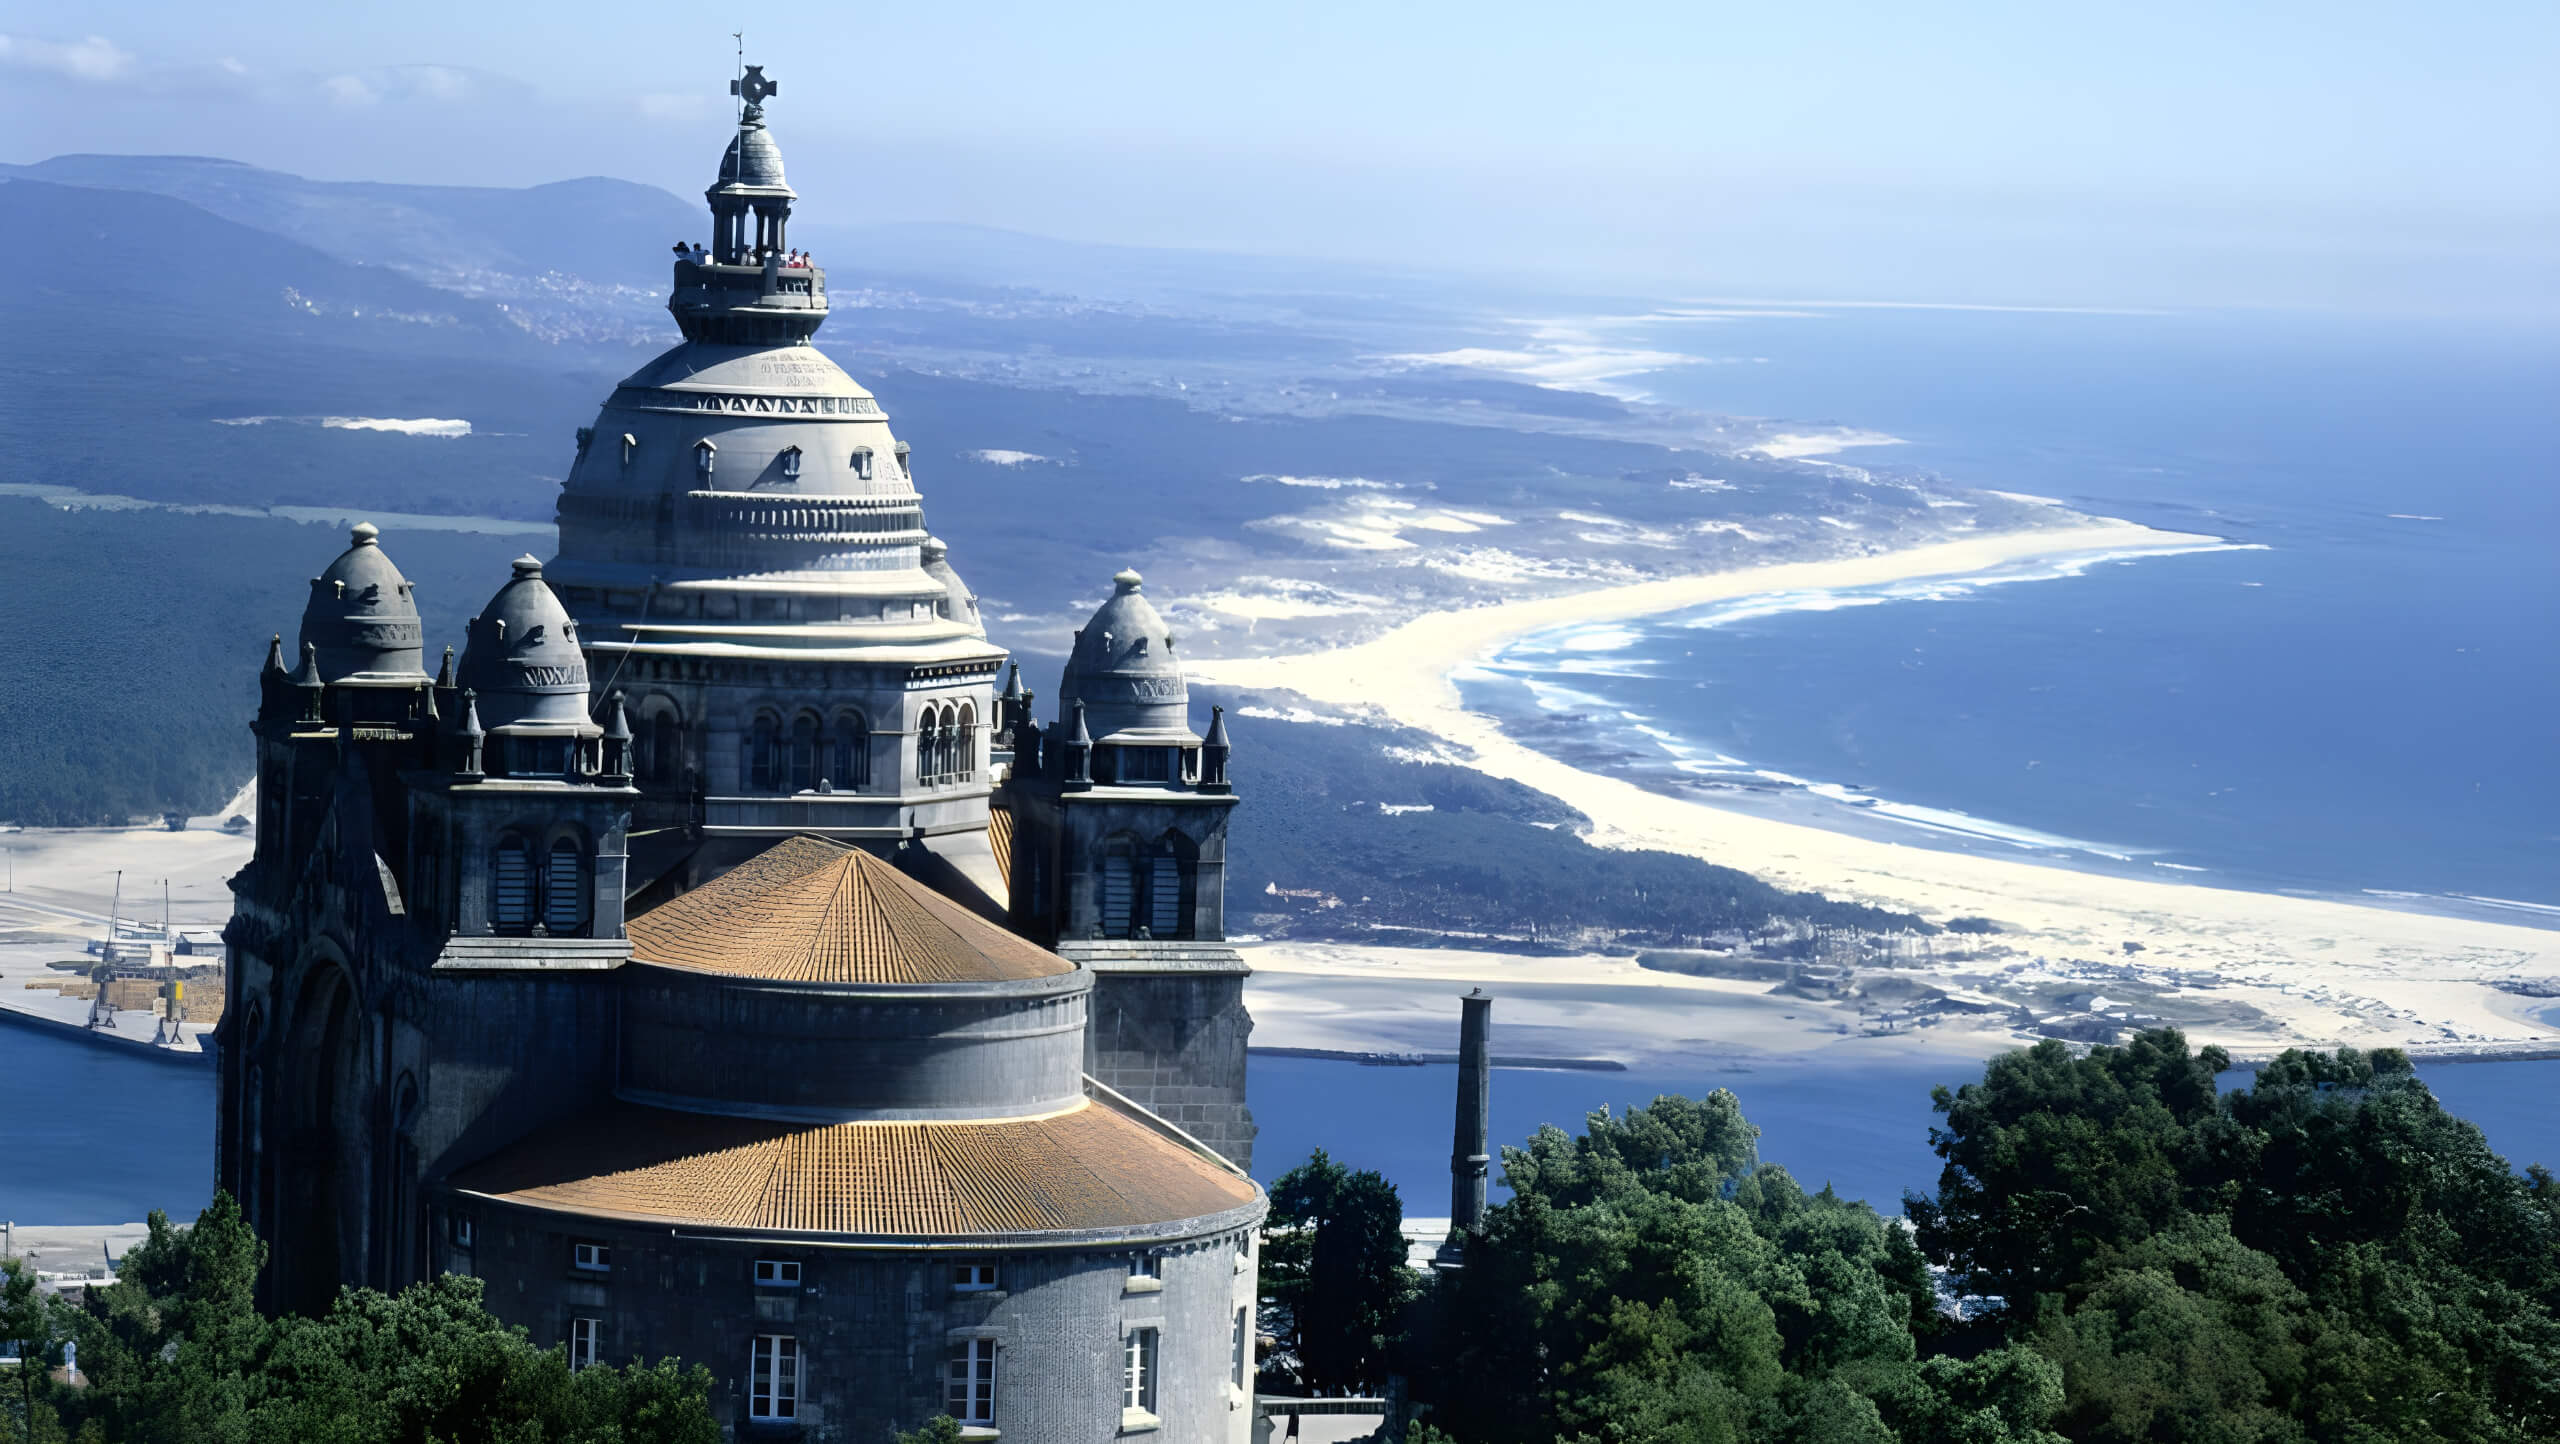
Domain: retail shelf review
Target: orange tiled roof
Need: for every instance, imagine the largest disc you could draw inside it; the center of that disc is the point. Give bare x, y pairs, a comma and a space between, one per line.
810, 910
1090, 1167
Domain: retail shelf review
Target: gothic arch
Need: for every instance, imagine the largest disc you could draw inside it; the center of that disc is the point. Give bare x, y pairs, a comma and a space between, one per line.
325, 1165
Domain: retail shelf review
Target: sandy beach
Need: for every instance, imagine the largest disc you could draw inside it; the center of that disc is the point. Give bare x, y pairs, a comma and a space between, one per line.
2263, 969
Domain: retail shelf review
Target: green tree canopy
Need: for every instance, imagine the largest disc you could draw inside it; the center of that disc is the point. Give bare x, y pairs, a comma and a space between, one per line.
1334, 1278
174, 1352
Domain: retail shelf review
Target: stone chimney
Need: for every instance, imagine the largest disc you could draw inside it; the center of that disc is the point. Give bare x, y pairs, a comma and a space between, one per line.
1469, 1162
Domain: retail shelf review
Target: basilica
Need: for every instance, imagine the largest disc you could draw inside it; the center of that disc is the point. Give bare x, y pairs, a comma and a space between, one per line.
721, 958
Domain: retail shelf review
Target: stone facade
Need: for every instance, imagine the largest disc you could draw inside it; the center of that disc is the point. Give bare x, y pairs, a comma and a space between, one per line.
658, 964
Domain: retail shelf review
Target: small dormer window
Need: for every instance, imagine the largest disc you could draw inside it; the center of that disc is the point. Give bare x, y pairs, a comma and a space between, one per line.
704, 456
630, 447
904, 470
862, 463
790, 459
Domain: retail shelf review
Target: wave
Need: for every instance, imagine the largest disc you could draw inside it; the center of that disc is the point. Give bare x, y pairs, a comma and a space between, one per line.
1536, 661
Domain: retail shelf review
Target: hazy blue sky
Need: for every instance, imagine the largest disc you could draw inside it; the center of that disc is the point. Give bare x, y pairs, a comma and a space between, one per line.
2337, 153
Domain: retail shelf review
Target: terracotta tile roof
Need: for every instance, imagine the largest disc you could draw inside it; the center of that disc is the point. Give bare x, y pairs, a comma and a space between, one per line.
1090, 1167
1000, 840
810, 910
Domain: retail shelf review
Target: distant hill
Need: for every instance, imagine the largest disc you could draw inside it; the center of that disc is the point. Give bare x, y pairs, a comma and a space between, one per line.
607, 231
166, 321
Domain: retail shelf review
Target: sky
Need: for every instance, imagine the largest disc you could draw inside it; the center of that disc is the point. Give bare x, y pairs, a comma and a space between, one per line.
2341, 155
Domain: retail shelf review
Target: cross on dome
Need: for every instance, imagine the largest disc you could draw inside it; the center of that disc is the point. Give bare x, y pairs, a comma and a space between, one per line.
753, 88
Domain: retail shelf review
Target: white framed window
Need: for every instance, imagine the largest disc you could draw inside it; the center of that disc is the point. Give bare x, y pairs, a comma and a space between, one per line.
972, 1278
1242, 1346
457, 1227
773, 1378
790, 460
1138, 1373
862, 463
971, 1387
777, 1273
1146, 1266
706, 455
904, 470
593, 1257
586, 1342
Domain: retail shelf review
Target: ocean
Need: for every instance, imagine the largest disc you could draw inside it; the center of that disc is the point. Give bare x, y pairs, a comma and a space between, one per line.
1864, 1131
2356, 696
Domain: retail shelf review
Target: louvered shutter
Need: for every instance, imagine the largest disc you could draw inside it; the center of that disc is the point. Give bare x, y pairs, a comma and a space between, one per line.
564, 899
511, 905
1164, 896
1119, 883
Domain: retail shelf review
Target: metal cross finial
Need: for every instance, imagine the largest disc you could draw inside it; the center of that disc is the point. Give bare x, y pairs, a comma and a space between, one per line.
754, 87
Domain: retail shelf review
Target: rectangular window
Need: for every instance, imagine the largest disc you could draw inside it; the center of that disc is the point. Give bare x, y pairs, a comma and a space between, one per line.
593, 1257
1145, 764
773, 1378
458, 1228
586, 1341
1138, 1373
1242, 1346
1146, 1266
972, 1278
972, 1387
777, 1273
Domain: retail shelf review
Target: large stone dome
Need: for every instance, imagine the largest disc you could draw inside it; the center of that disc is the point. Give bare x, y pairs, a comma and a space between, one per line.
361, 619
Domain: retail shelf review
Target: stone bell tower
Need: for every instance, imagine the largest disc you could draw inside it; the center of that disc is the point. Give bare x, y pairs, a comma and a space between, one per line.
1119, 856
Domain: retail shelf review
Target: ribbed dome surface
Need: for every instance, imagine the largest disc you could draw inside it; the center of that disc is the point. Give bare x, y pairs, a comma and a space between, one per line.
1087, 1168
753, 160
813, 911
522, 657
1123, 668
361, 616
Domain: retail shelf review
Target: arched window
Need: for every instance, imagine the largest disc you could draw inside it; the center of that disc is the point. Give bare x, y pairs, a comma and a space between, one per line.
764, 755
705, 455
964, 744
564, 891
1119, 900
790, 460
511, 886
852, 752
862, 463
804, 753
666, 748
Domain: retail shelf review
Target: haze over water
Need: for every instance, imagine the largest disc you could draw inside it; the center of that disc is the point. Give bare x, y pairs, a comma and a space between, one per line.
2363, 700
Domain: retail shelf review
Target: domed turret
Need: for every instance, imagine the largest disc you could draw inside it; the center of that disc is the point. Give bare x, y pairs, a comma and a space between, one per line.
753, 161
963, 604
522, 661
1123, 670
362, 619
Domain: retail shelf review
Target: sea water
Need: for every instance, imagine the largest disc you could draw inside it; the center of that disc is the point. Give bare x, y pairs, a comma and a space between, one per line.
2356, 695
96, 1134
1863, 1130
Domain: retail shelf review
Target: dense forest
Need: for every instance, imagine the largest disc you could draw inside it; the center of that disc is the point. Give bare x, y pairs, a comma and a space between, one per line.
2116, 1251
1349, 831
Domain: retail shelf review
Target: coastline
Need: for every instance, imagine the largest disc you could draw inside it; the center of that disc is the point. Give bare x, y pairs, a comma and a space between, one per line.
2314, 971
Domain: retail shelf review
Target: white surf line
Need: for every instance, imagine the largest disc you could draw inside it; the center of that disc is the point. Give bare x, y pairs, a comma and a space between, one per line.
1408, 677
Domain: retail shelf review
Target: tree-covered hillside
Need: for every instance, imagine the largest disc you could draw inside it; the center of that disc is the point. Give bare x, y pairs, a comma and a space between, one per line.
1352, 831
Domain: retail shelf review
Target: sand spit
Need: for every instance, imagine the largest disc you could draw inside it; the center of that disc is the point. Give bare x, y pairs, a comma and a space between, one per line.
2248, 969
